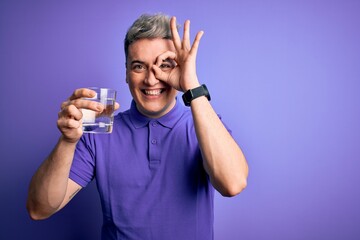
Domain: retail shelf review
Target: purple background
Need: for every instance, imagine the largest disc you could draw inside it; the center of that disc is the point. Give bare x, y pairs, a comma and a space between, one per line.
285, 75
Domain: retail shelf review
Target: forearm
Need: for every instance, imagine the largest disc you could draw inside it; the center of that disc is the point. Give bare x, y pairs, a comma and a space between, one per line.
48, 186
223, 159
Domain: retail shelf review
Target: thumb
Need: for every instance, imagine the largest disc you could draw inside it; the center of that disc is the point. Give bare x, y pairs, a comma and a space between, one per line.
116, 106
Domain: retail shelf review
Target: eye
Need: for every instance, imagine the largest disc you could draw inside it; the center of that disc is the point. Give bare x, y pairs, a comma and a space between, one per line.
166, 66
138, 67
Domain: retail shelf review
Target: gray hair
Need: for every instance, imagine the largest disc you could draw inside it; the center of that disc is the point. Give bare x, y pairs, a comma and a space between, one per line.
148, 26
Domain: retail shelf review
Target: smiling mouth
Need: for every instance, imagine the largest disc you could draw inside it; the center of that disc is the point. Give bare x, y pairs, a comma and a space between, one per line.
153, 92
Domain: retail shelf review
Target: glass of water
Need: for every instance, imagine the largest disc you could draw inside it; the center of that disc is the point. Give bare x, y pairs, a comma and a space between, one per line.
100, 122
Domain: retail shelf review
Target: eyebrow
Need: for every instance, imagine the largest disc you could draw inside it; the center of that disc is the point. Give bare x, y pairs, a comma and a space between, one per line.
136, 61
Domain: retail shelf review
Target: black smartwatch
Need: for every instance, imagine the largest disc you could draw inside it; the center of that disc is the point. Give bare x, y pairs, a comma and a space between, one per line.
191, 94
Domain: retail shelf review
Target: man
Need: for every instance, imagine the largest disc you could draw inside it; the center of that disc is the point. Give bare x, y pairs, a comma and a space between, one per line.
156, 171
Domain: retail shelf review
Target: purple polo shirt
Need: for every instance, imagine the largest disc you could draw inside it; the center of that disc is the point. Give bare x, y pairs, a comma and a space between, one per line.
150, 177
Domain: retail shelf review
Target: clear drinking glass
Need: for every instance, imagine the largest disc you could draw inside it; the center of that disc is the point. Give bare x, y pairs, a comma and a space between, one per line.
95, 122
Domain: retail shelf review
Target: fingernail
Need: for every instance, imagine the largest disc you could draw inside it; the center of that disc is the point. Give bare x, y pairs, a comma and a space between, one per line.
92, 94
99, 107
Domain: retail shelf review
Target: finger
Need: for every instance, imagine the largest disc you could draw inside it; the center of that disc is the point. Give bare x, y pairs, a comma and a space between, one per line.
64, 104
164, 57
87, 104
116, 106
70, 112
75, 112
196, 43
72, 108
175, 34
72, 123
186, 37
79, 93
68, 123
82, 92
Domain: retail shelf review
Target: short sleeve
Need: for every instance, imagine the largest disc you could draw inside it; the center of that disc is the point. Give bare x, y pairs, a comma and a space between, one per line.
83, 166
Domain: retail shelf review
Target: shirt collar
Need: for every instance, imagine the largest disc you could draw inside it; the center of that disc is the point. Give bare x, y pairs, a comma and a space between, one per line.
168, 120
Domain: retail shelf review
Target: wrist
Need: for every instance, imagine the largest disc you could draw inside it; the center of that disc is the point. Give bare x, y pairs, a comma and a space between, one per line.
191, 85
67, 141
194, 93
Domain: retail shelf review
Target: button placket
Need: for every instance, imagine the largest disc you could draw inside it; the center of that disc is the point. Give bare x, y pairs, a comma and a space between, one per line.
154, 148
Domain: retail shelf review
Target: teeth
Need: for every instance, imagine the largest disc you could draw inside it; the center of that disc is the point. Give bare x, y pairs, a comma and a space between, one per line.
153, 92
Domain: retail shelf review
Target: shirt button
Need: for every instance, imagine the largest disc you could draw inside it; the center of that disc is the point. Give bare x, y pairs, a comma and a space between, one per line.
154, 124
153, 141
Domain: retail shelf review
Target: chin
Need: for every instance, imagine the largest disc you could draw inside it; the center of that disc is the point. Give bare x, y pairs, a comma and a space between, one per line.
155, 110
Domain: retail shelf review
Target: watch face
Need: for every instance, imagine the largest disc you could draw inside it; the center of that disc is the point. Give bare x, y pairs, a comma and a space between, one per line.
191, 94
187, 98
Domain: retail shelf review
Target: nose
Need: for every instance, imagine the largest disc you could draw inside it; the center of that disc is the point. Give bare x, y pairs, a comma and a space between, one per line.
150, 79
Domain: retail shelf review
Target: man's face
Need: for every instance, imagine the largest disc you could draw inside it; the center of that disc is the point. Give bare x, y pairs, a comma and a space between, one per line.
153, 98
